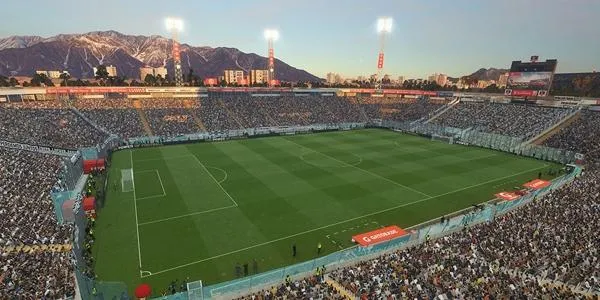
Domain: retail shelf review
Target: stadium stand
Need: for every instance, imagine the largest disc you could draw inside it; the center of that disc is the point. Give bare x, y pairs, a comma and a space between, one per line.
27, 218
53, 127
547, 249
401, 110
515, 120
582, 135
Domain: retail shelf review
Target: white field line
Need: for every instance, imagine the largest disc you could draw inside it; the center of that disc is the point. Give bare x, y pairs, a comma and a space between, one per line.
345, 221
164, 193
186, 215
224, 172
161, 183
216, 181
137, 231
150, 197
361, 169
163, 158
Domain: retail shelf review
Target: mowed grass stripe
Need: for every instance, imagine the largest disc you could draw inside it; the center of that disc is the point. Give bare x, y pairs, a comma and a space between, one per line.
286, 197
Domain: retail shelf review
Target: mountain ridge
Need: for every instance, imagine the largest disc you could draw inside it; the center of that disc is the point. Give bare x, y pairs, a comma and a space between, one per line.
79, 53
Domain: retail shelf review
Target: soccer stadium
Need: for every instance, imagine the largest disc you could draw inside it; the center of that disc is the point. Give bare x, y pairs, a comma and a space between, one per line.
224, 188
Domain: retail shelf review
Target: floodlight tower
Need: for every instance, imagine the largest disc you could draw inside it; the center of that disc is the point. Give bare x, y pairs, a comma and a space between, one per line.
384, 25
175, 26
271, 35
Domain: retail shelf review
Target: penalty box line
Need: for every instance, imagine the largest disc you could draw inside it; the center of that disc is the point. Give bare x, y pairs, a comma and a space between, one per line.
164, 193
342, 222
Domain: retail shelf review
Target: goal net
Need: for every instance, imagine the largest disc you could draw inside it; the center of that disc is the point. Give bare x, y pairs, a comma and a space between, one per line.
442, 138
127, 180
194, 290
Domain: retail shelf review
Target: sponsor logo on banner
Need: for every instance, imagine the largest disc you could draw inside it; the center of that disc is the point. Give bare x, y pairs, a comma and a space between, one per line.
93, 90
40, 149
509, 196
537, 184
379, 235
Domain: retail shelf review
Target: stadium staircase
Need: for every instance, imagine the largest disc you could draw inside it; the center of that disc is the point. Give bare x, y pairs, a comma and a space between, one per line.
81, 115
189, 104
230, 113
549, 132
444, 109
343, 291
138, 107
263, 111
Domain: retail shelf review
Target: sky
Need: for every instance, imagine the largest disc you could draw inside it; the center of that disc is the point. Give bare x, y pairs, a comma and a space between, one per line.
454, 37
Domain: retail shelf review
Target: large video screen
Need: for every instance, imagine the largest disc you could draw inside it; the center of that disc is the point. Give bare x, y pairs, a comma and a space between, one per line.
529, 81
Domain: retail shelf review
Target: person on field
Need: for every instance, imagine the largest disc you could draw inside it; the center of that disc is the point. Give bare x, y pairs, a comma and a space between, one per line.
294, 250
238, 270
319, 246
254, 266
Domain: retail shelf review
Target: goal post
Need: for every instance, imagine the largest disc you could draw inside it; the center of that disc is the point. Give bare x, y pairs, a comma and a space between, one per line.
442, 138
127, 180
194, 290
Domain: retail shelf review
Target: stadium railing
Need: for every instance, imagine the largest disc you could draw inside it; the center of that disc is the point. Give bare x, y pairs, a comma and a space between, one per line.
90, 288
474, 137
418, 234
239, 133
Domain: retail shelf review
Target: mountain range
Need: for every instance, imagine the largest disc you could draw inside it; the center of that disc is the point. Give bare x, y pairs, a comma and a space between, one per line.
79, 53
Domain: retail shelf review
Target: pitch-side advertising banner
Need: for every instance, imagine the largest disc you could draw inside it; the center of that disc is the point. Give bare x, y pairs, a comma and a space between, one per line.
379, 235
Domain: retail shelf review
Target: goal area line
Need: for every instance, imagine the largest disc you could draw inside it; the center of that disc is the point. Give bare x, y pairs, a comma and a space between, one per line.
342, 222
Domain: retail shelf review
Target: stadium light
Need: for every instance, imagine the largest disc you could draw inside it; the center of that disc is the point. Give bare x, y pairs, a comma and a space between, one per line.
174, 24
384, 24
271, 34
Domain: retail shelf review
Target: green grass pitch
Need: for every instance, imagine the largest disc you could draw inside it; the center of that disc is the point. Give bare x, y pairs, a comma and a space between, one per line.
198, 209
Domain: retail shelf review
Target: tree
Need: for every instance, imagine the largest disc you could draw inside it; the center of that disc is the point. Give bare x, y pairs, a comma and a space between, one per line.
150, 80
160, 80
41, 79
65, 78
101, 73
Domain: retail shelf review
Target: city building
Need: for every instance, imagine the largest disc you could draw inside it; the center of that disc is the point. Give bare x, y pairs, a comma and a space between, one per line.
330, 78
111, 70
401, 80
234, 76
503, 80
259, 76
145, 71
53, 74
439, 79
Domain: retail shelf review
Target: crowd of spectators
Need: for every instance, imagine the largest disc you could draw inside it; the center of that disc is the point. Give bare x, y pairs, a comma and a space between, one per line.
516, 120
582, 136
503, 258
308, 288
401, 110
27, 218
54, 127
554, 238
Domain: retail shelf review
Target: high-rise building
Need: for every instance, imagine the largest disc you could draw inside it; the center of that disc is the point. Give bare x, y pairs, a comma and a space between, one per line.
145, 71
234, 76
439, 79
52, 74
330, 78
401, 80
503, 80
259, 76
111, 70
